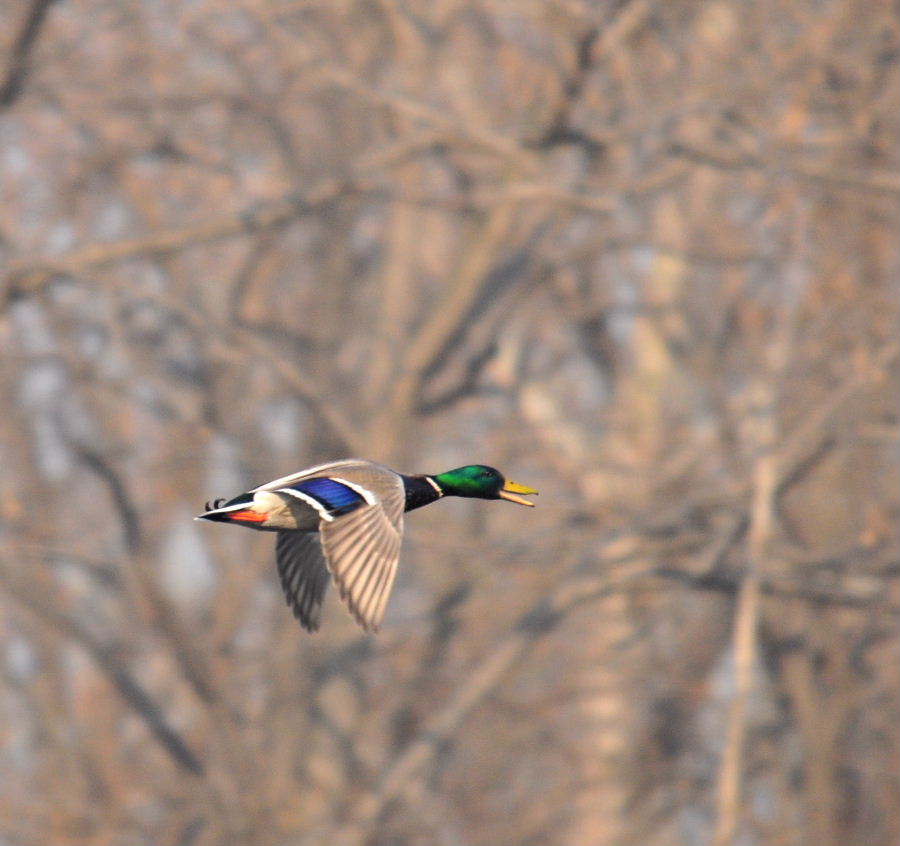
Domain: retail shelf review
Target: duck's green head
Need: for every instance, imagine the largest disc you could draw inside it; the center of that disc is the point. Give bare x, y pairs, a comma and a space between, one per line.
481, 482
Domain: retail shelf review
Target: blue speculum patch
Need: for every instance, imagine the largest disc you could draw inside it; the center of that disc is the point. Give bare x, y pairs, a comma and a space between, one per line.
336, 497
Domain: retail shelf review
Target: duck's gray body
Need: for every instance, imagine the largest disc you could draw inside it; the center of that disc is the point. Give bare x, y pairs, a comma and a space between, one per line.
341, 521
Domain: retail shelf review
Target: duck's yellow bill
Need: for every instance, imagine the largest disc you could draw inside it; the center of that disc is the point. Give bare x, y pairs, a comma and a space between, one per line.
510, 489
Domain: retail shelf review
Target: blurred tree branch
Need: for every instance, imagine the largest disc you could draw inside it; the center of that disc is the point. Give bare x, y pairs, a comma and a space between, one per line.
17, 66
552, 235
106, 658
28, 275
400, 777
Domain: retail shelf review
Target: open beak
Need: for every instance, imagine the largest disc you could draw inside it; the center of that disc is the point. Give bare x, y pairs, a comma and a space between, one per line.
510, 489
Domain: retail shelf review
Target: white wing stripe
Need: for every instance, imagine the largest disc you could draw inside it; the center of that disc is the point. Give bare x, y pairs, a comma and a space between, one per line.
323, 512
323, 470
225, 509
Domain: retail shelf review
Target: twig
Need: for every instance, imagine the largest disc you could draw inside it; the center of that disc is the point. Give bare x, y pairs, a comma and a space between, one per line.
868, 598
573, 590
441, 324
794, 448
431, 117
762, 436
876, 182
28, 275
17, 66
193, 669
105, 657
122, 500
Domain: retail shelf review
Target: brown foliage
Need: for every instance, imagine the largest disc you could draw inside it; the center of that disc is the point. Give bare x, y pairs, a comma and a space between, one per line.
639, 255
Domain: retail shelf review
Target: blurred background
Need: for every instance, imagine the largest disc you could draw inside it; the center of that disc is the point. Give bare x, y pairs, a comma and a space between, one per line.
639, 255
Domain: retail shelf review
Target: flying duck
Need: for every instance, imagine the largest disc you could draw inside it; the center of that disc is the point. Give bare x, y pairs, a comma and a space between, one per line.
344, 520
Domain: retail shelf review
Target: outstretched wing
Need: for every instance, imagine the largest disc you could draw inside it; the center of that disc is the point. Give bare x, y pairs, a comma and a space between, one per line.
304, 576
357, 507
362, 547
362, 550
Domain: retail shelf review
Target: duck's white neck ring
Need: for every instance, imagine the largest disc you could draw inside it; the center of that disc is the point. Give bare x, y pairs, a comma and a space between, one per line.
435, 485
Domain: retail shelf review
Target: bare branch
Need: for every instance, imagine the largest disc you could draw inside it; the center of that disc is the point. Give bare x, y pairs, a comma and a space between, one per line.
17, 65
122, 680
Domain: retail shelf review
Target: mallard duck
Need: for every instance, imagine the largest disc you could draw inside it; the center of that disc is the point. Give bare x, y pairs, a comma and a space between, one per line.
345, 519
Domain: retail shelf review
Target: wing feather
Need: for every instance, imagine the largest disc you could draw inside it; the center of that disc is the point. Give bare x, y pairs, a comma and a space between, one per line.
376, 583
355, 548
370, 592
362, 548
359, 549
303, 574
382, 589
